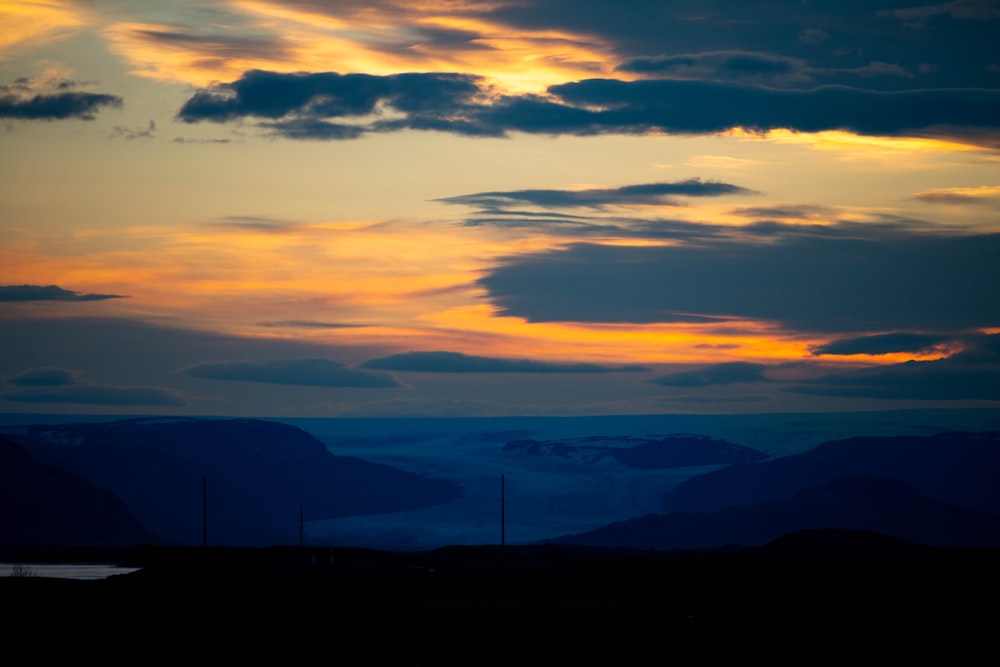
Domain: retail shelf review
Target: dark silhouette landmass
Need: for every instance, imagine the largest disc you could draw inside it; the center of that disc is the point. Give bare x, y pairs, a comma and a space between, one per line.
857, 502
959, 468
258, 477
843, 593
935, 490
42, 504
877, 547
672, 451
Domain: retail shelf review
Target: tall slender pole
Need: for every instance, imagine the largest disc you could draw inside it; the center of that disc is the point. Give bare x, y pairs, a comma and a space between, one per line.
503, 510
204, 511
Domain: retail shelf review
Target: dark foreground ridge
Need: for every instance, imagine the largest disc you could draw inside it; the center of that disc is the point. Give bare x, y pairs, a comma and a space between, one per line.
457, 604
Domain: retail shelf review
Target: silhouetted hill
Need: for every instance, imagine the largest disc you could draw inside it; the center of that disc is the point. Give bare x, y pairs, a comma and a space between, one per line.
843, 593
869, 503
957, 468
672, 451
40, 504
838, 544
258, 476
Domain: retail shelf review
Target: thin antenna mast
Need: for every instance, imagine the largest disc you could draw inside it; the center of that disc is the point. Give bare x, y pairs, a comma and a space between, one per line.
503, 510
204, 511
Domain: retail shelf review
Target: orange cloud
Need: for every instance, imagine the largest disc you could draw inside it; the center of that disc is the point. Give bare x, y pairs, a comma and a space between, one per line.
388, 39
28, 25
622, 343
407, 285
984, 194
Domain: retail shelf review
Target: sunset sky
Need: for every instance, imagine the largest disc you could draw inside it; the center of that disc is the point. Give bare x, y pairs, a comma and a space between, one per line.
337, 208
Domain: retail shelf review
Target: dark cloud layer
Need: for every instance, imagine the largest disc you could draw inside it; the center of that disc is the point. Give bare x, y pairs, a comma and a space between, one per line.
715, 374
43, 377
973, 374
644, 194
48, 293
305, 372
92, 394
589, 226
694, 107
301, 106
838, 39
723, 65
845, 280
18, 101
882, 344
454, 362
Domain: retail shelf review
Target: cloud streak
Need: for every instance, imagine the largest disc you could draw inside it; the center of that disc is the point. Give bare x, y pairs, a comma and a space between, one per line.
93, 394
43, 377
303, 372
454, 362
972, 374
316, 105
715, 374
14, 293
18, 101
878, 344
647, 194
843, 279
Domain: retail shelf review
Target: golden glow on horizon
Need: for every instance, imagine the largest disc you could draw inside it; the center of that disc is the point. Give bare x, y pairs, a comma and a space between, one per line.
400, 284
983, 194
624, 343
861, 145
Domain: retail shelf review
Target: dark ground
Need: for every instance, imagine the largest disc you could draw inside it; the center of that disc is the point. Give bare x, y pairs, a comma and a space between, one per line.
807, 596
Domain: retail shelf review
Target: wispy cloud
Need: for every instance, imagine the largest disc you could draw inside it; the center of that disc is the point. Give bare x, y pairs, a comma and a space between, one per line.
743, 66
49, 293
308, 324
646, 194
133, 133
985, 195
715, 374
27, 24
954, 9
22, 100
843, 278
199, 44
878, 344
316, 106
972, 374
43, 377
94, 394
305, 372
454, 362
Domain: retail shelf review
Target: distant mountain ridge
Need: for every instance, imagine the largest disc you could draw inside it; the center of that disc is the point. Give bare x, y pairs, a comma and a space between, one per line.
257, 476
936, 490
671, 451
870, 503
960, 468
40, 504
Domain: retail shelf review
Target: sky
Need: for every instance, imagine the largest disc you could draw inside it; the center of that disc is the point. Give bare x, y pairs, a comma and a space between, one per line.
327, 208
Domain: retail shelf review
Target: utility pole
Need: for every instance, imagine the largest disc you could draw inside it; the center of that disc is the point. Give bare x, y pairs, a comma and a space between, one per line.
204, 511
503, 509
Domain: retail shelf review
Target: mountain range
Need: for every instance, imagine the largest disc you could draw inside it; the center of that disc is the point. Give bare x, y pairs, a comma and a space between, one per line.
228, 482
247, 482
935, 490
